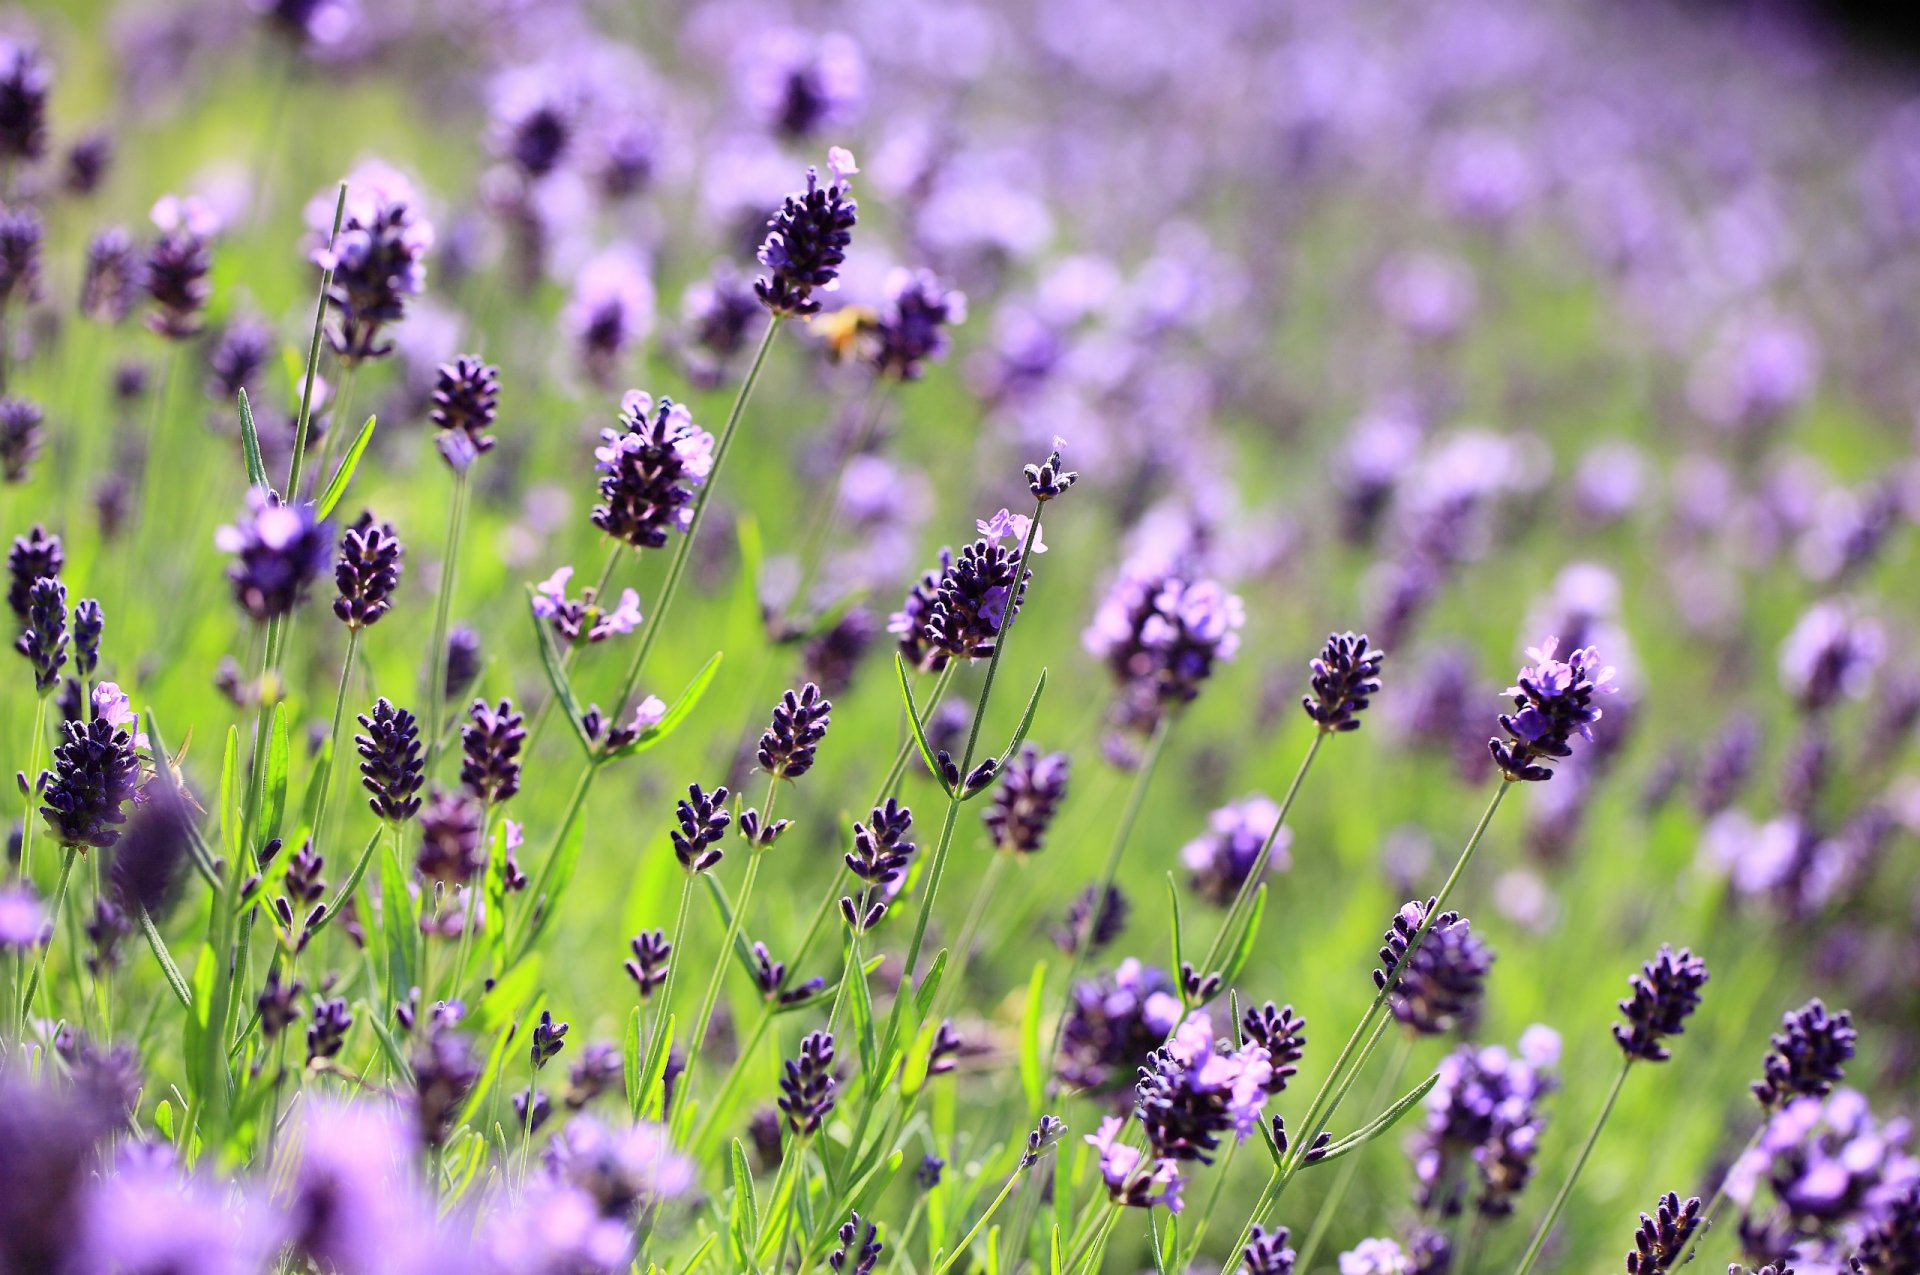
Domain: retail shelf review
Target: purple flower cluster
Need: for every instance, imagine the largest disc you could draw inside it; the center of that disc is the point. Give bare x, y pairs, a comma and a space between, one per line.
1220, 860
649, 470
1026, 800
278, 550
378, 258
807, 240
1485, 1108
1114, 1023
1161, 636
1553, 702
1193, 1092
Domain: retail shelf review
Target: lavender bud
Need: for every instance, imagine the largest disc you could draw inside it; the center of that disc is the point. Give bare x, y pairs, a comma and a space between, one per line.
911, 328
44, 641
113, 277
1441, 985
1029, 796
145, 870
598, 1070
491, 741
853, 1258
1047, 480
1659, 1241
549, 1038
1553, 702
649, 471
463, 660
327, 1032
450, 831
94, 775
1267, 1253
20, 236
87, 162
799, 724
719, 314
466, 399
975, 598
1346, 675
175, 278
391, 767
703, 820
235, 361
943, 1053
35, 556
1191, 1093
278, 1003
1665, 994
89, 625
1094, 925
367, 572
648, 968
1809, 1055
279, 549
807, 241
807, 1085
20, 438
378, 261
542, 1109
26, 81
1283, 1034
1047, 1133
927, 1176
1891, 1245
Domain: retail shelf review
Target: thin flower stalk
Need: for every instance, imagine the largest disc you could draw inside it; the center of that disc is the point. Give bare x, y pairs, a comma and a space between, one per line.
442, 612
1580, 1162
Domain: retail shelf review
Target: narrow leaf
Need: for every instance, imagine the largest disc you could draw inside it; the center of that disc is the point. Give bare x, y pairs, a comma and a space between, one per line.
167, 967
352, 882
557, 680
929, 987
861, 1004
676, 712
276, 785
398, 921
743, 1214
1249, 934
250, 445
913, 720
1026, 722
337, 485
1032, 1077
1381, 1123
630, 1048
229, 793
1173, 914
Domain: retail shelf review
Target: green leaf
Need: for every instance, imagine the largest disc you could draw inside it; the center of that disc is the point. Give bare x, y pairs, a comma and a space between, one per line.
337, 485
676, 713
250, 445
318, 782
229, 791
1019, 732
557, 680
504, 1001
743, 1214
554, 878
630, 1047
352, 882
1032, 1075
201, 1048
167, 967
929, 987
1381, 1123
653, 1073
398, 922
496, 1061
1173, 915
742, 946
163, 1119
276, 783
860, 1002
913, 720
1249, 933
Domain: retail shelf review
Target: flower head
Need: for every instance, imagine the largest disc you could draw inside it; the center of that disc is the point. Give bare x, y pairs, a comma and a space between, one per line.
491, 741
649, 471
912, 327
37, 555
799, 723
1026, 800
807, 241
1346, 675
26, 81
20, 437
583, 619
807, 1085
278, 549
1553, 702
610, 312
703, 818
1441, 983
1114, 1023
1665, 994
391, 768
44, 639
1162, 635
1221, 859
1193, 1092
450, 847
466, 399
95, 772
367, 572
378, 259
1120, 1170
175, 275
1809, 1055
859, 1250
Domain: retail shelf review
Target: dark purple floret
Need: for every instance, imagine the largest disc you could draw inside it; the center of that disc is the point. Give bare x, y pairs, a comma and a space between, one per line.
549, 1038
532, 1121
113, 277
910, 621
597, 1070
466, 399
450, 831
649, 470
1727, 764
1892, 1245
536, 139
1029, 796
88, 160
1267, 1253
327, 1032
236, 360
144, 873
20, 236
1442, 984
463, 660
390, 763
1097, 925
806, 244
37, 555
1660, 1240
1553, 702
1046, 1135
44, 640
799, 723
367, 572
1346, 677
279, 550
1192, 1093
21, 437
445, 1070
911, 329
960, 612
491, 741
1114, 1023
1665, 993
89, 626
378, 260
807, 1085
721, 313
703, 820
832, 656
943, 1054
1809, 1055
93, 778
1283, 1034
928, 1175
1048, 480
278, 1003
859, 1250
879, 857
175, 277
299, 904
25, 83
648, 968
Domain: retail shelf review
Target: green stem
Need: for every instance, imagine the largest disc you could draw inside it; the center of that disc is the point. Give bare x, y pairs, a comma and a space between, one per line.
677, 956
1251, 885
437, 667
732, 1081
1566, 1188
966, 1241
333, 739
40, 960
1383, 1093
305, 419
32, 818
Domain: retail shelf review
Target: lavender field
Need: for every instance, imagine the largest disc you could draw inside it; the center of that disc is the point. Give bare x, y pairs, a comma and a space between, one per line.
958, 636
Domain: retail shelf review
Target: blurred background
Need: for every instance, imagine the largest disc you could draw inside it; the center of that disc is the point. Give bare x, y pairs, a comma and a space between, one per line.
1464, 324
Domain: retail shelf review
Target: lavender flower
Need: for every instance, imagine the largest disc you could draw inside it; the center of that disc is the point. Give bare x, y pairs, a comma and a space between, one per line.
1049, 480
44, 639
1095, 923
549, 1038
20, 437
35, 556
703, 820
807, 241
719, 314
770, 976
1892, 1245
800, 722
960, 614
1484, 1107
648, 968
911, 329
648, 472
583, 619
610, 312
1441, 984
1161, 636
26, 81
1120, 1170
331, 1020
491, 741
859, 1251
1114, 1023
23, 918
87, 163
279, 549
113, 277
445, 1070
466, 399
450, 848
236, 359
1346, 675
1665, 994
1553, 702
1028, 797
879, 857
378, 259
463, 660
367, 572
832, 655
20, 237
94, 775
1659, 1241
1220, 860
176, 269
597, 1070
391, 767
1831, 652
807, 1085
801, 84
1283, 1034
1191, 1094
278, 1003
1375, 1257
1809, 1055
144, 872
1267, 1253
